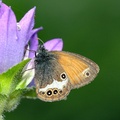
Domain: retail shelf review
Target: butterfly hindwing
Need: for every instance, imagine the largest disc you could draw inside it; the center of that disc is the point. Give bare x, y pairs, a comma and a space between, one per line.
51, 81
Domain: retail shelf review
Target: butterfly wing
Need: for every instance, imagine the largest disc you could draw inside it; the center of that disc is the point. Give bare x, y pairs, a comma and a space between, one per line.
52, 83
59, 72
79, 69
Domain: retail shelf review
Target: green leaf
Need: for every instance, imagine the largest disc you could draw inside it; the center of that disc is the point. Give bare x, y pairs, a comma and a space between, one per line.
3, 101
10, 79
13, 100
30, 93
1, 117
26, 78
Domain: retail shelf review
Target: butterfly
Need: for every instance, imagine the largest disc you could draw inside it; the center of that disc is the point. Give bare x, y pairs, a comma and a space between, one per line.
58, 72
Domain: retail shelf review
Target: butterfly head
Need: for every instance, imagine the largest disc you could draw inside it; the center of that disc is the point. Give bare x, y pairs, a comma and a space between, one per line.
42, 55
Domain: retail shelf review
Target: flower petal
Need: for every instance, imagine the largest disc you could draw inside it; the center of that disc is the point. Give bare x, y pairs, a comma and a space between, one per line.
33, 45
32, 48
54, 44
0, 2
10, 55
26, 25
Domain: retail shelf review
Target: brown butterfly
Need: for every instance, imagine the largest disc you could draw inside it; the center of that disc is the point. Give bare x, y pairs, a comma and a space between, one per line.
58, 72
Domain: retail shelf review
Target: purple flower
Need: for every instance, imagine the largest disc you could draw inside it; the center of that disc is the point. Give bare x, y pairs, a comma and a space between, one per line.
14, 36
55, 44
18, 41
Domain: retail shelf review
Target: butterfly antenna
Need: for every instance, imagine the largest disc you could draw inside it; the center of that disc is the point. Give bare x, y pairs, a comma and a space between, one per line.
41, 46
41, 41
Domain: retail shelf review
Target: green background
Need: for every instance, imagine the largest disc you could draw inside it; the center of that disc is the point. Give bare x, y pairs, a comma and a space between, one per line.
90, 28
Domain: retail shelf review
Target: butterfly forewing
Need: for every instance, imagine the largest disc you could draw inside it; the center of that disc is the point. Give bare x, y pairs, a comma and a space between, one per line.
79, 69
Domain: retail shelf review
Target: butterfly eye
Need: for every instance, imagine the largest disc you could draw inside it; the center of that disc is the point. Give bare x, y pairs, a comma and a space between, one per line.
63, 76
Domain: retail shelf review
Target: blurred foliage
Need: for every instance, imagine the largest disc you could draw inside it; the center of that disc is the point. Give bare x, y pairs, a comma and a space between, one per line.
90, 28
